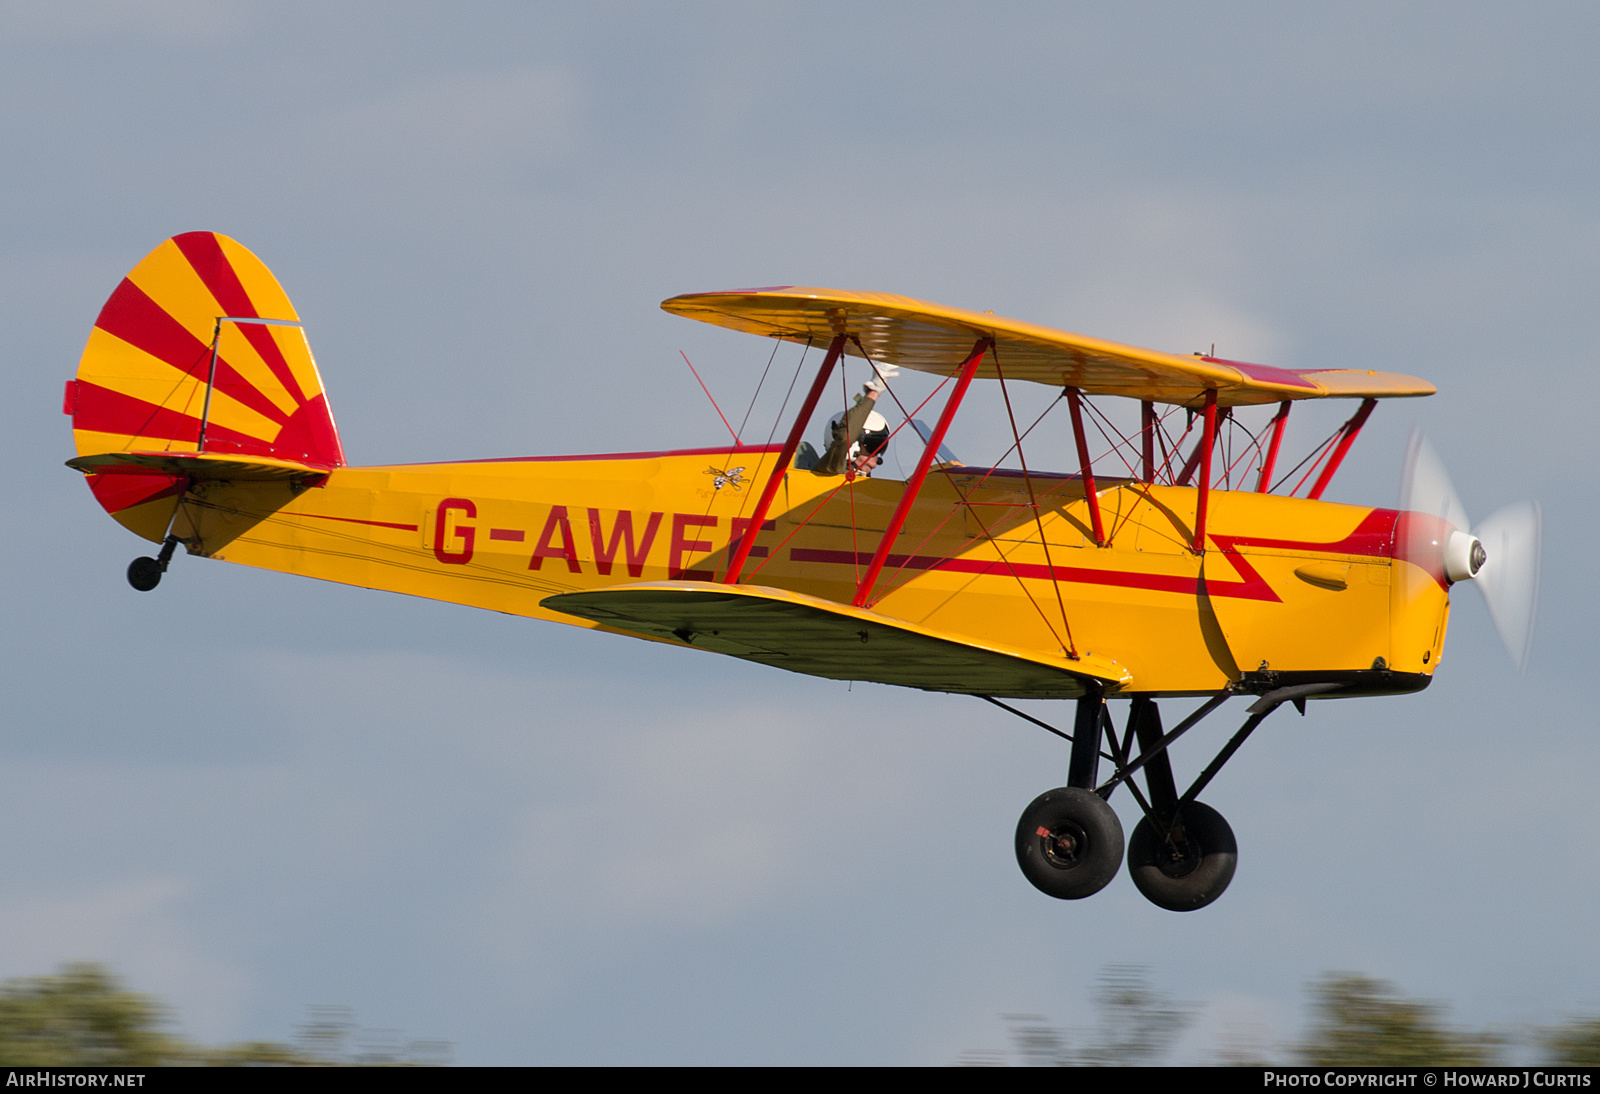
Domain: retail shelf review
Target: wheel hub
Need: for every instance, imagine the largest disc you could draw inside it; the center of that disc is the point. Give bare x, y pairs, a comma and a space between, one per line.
1179, 856
1063, 845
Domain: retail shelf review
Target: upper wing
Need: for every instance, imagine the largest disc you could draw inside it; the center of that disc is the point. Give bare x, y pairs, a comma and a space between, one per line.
934, 338
820, 638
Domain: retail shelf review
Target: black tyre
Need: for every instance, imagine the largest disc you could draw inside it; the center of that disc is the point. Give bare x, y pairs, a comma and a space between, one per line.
1188, 868
144, 574
1069, 843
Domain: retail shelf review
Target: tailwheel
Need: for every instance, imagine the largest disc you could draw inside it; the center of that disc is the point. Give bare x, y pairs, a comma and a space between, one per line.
1189, 865
1069, 843
144, 574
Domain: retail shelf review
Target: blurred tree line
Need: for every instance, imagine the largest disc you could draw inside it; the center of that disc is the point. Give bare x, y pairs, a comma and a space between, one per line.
1357, 1021
83, 1017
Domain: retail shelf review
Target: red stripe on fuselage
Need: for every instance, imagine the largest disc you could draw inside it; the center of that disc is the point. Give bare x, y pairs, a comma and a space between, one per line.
358, 520
1374, 537
1252, 588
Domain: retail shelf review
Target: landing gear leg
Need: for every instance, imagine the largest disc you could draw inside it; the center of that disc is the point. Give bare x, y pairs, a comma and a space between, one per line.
1069, 841
1084, 766
145, 573
1182, 855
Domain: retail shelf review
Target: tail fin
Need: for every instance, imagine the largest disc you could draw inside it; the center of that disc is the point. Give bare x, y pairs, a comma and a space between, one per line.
197, 350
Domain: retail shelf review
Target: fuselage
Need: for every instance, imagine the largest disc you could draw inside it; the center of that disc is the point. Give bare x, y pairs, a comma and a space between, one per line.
1286, 589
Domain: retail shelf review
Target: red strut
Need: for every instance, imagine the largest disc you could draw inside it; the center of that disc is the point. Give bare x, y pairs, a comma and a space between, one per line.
748, 540
1265, 484
1147, 433
969, 368
1351, 428
1207, 440
1194, 457
1085, 469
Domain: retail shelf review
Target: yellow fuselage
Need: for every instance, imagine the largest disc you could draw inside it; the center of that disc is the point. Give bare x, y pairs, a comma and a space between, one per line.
1286, 589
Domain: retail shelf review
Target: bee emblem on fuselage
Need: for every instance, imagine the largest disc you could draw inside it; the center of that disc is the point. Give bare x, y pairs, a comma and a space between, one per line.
733, 476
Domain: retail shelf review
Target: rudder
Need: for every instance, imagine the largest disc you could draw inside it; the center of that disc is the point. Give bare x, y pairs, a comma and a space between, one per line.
142, 381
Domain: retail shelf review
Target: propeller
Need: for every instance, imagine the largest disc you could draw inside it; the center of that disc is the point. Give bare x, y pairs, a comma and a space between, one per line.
1500, 556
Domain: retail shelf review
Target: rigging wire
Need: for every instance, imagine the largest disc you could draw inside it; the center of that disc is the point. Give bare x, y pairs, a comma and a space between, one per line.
710, 501
799, 526
968, 506
1315, 454
1097, 416
810, 516
776, 342
1176, 450
1253, 447
162, 405
776, 421
707, 390
971, 506
1033, 503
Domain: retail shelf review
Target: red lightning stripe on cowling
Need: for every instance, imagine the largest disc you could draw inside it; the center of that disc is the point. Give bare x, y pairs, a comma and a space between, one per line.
1374, 537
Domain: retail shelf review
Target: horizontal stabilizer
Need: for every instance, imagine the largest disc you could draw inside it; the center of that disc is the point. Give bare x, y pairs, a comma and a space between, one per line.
821, 638
201, 466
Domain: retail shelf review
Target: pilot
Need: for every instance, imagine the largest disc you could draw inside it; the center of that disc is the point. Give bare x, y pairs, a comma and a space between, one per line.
861, 436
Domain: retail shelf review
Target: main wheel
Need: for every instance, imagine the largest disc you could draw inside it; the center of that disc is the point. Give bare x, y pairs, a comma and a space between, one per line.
144, 574
1069, 843
1187, 868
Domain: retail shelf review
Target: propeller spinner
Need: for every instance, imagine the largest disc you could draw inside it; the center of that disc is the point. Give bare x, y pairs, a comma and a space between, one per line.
1500, 556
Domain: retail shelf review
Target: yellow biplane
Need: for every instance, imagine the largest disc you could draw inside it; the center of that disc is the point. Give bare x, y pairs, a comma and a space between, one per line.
200, 419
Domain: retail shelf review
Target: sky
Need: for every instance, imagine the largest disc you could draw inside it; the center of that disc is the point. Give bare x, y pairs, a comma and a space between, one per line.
250, 793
